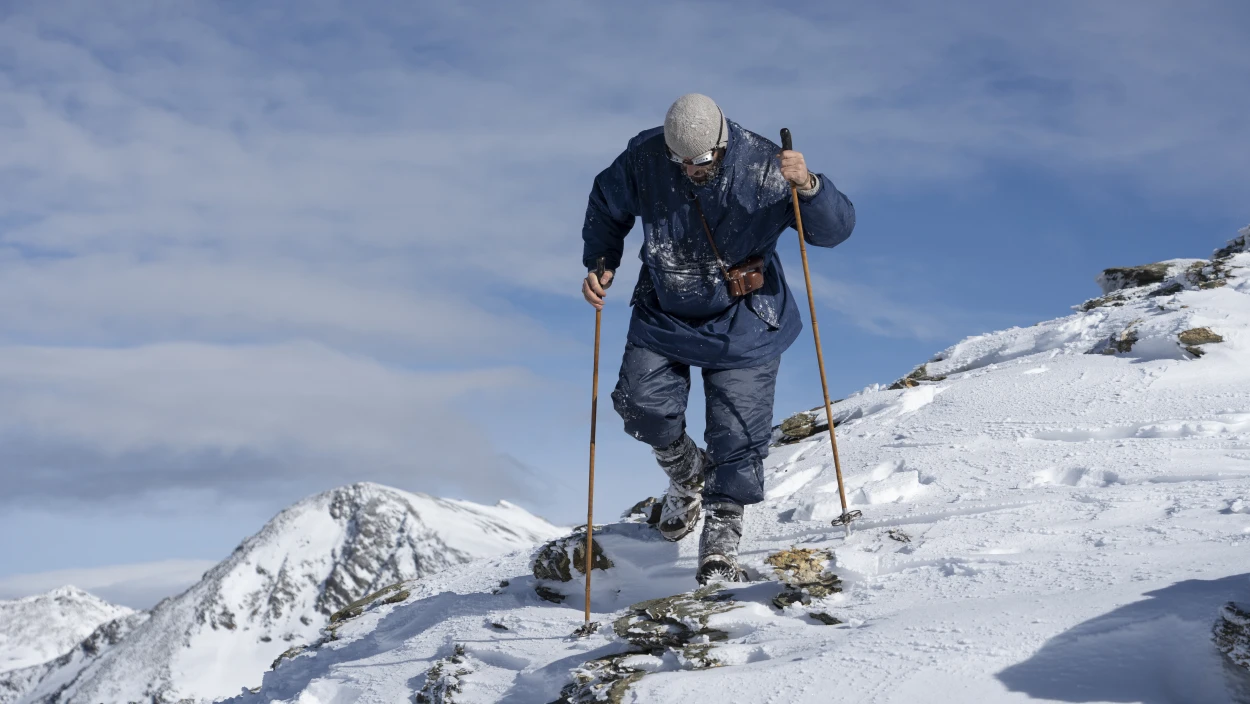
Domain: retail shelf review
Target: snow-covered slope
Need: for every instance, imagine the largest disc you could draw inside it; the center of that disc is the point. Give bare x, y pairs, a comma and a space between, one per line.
1053, 513
40, 628
279, 589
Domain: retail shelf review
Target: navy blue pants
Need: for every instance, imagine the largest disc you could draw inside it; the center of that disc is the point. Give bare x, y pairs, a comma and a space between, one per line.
651, 397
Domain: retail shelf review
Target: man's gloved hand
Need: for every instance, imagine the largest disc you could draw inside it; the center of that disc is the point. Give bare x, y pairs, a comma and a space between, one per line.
794, 169
594, 289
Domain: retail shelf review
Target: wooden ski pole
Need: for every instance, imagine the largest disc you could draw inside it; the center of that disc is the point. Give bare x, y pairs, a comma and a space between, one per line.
594, 417
845, 519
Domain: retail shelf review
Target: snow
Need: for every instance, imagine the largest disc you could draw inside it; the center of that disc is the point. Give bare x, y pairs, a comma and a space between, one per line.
277, 590
1042, 524
40, 628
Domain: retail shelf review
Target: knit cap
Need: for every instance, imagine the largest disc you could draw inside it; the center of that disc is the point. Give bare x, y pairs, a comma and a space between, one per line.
694, 125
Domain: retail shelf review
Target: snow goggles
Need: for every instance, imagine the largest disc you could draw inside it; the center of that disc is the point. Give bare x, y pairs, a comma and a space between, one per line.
700, 160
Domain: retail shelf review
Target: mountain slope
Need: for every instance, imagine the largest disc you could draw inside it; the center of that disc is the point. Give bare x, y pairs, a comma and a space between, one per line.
1053, 513
40, 628
280, 587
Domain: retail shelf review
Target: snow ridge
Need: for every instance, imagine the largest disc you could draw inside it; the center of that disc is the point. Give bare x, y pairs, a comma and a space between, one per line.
279, 589
40, 628
1052, 513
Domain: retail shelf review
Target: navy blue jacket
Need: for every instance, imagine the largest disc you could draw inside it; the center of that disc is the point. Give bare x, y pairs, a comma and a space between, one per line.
682, 309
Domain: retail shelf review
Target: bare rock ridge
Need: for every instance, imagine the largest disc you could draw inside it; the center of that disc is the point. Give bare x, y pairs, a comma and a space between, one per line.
276, 591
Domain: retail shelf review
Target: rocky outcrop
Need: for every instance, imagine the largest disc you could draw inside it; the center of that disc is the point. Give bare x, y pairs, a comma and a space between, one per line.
919, 376
805, 574
1119, 278
1118, 343
660, 632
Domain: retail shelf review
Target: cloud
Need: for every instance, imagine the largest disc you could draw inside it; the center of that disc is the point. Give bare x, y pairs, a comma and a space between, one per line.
102, 424
244, 243
139, 586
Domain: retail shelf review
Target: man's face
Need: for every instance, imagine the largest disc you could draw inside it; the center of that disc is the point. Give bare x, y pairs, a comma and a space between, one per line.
700, 174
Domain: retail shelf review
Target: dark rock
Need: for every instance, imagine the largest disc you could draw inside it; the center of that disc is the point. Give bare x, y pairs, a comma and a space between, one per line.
1114, 300
645, 511
358, 607
1118, 343
548, 594
557, 559
1232, 634
1169, 290
657, 627
1241, 243
444, 679
805, 574
287, 655
900, 536
916, 378
825, 618
1195, 351
1120, 278
1199, 336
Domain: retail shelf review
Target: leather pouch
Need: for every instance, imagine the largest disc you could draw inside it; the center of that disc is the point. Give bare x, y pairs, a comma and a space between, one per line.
745, 277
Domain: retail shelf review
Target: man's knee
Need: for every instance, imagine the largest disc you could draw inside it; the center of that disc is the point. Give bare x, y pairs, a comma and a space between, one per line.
651, 398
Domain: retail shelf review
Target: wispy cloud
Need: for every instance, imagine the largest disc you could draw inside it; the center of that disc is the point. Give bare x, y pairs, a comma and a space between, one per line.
218, 218
116, 423
139, 586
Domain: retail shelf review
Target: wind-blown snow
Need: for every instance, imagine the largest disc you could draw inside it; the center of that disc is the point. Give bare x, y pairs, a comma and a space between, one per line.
1042, 524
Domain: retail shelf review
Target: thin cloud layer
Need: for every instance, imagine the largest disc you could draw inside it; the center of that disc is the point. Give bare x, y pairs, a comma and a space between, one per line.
112, 424
243, 242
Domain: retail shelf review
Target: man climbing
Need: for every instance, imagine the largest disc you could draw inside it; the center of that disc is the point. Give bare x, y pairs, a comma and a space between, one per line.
713, 198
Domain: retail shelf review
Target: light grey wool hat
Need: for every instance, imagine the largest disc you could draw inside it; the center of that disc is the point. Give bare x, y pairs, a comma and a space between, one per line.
694, 125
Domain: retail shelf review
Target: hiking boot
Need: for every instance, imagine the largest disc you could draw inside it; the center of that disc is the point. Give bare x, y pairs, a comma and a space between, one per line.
718, 545
684, 463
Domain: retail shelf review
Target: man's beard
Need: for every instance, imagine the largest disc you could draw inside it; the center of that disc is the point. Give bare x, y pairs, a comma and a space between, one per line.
708, 177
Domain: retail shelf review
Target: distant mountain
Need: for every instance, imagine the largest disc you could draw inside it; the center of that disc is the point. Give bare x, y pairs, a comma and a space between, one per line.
277, 590
40, 628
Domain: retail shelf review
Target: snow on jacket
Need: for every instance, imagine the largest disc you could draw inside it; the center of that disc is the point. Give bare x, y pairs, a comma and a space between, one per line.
682, 309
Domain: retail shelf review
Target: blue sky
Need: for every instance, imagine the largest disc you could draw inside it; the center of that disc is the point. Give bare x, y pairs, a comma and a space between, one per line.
250, 253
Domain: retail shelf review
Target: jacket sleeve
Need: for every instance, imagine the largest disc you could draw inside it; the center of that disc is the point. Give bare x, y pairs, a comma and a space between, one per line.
610, 213
828, 215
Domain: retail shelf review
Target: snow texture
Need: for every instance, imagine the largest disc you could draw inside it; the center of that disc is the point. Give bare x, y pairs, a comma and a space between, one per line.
1040, 524
278, 590
40, 628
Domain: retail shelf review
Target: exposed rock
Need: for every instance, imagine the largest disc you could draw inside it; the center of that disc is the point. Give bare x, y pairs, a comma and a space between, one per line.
1232, 634
1169, 290
1240, 243
1195, 351
664, 634
548, 594
396, 594
899, 535
916, 378
645, 511
554, 560
1118, 343
444, 679
1119, 278
288, 654
805, 573
1114, 300
825, 618
798, 426
1209, 275
1199, 336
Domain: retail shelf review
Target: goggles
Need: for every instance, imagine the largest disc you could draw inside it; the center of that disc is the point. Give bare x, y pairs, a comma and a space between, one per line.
700, 160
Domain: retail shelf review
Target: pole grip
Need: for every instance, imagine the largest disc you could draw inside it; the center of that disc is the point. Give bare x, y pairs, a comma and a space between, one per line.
599, 269
787, 142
